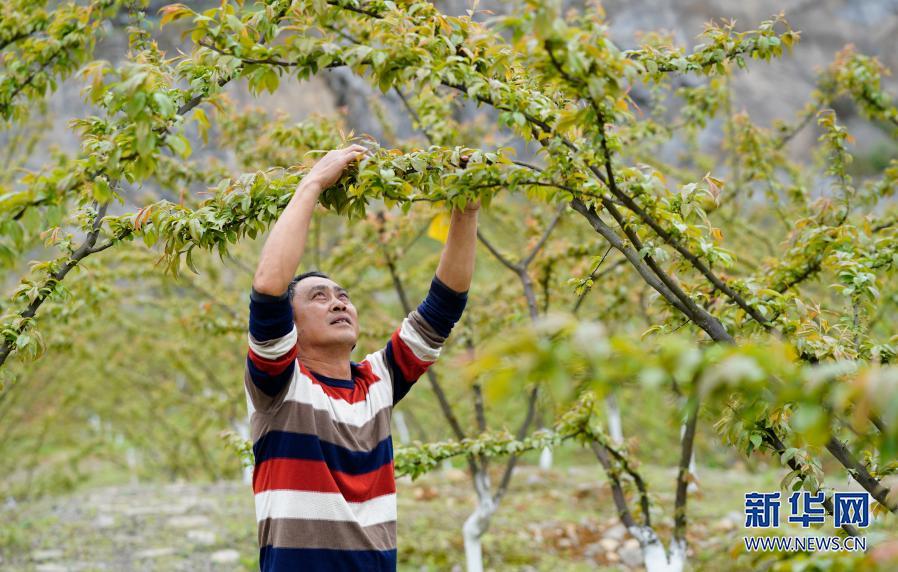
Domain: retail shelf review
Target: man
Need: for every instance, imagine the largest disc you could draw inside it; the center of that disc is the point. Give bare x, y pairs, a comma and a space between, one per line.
323, 481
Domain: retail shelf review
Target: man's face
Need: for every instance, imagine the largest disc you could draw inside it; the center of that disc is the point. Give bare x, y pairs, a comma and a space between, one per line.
324, 315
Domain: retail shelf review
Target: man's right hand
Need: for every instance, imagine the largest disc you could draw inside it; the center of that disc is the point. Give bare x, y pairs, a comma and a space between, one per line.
329, 168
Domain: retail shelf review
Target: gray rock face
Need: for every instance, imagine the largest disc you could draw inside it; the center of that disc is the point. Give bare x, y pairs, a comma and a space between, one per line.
776, 89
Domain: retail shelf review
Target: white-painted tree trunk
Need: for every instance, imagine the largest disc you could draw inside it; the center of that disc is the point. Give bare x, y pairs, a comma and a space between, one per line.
692, 486
545, 458
401, 427
655, 558
478, 522
615, 425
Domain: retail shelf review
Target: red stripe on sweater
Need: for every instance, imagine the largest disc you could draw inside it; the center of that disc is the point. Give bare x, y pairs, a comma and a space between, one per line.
363, 379
305, 475
365, 375
273, 366
409, 365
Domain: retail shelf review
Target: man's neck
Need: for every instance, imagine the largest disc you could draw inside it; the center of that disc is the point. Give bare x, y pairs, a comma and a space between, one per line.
330, 364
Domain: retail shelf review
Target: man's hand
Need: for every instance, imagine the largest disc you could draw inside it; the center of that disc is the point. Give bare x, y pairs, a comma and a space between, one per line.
330, 168
470, 208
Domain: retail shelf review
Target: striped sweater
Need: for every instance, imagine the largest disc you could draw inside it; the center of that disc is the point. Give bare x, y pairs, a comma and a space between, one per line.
323, 482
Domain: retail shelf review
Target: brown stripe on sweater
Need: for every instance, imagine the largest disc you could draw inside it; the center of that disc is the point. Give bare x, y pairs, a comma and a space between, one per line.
334, 535
261, 400
297, 417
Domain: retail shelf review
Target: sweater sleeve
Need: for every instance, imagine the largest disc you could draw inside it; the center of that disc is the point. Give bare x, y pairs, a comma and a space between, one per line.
416, 344
271, 357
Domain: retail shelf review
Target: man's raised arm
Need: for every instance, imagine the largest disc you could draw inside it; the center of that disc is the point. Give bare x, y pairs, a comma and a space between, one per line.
285, 244
457, 260
416, 344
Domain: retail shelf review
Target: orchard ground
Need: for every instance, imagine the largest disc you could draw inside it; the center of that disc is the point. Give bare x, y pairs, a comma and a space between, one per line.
560, 519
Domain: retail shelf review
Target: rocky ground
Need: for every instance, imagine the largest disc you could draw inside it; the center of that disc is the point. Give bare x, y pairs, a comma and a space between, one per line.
137, 527
551, 520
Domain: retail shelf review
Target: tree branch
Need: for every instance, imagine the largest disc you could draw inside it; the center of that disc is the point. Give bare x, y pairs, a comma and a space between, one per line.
694, 260
860, 473
637, 480
632, 256
592, 276
542, 241
498, 255
49, 285
617, 491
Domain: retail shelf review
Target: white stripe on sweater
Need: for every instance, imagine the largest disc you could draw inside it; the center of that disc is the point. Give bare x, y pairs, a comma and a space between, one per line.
309, 505
419, 346
273, 349
304, 390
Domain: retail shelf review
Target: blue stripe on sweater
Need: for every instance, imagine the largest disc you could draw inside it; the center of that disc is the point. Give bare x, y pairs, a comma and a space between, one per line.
269, 384
273, 559
442, 307
288, 445
401, 386
270, 317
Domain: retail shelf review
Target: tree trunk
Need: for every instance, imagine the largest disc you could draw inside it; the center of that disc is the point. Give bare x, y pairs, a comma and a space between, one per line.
615, 425
401, 428
545, 458
654, 556
478, 523
692, 486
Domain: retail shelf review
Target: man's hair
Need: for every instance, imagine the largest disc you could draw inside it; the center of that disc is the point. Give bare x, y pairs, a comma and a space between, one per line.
291, 289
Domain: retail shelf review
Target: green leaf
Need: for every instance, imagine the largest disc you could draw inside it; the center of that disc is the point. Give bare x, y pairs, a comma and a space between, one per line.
189, 261
179, 144
271, 80
165, 105
22, 341
195, 229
